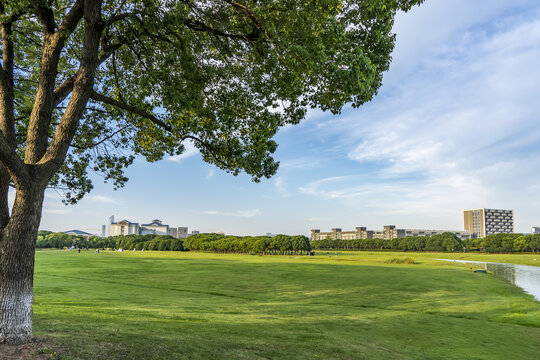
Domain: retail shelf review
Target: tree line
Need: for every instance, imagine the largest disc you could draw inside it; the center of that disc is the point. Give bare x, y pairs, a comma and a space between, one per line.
265, 245
505, 243
497, 243
47, 239
440, 242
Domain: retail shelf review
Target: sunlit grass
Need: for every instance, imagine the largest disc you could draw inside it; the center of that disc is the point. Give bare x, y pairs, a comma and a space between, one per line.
346, 305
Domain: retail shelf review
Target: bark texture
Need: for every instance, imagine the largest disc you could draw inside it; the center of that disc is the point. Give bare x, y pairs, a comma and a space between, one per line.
17, 248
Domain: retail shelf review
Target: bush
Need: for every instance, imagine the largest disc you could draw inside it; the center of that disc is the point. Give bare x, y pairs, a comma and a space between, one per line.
405, 260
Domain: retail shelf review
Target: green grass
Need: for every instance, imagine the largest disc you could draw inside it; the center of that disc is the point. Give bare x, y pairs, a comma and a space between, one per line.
166, 305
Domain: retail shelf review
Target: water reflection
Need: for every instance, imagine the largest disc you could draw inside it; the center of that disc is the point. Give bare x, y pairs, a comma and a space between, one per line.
524, 276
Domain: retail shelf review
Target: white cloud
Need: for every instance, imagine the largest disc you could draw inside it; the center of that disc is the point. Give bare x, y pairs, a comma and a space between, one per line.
320, 219
280, 186
239, 213
210, 174
300, 164
101, 199
190, 151
462, 132
49, 194
48, 210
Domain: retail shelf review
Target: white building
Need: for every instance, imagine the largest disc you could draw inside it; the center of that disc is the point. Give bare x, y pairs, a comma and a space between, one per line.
124, 227
462, 235
79, 233
535, 230
156, 227
109, 222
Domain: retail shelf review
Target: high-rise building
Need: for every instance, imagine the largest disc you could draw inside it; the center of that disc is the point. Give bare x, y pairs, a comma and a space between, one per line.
182, 232
535, 230
109, 222
173, 232
483, 222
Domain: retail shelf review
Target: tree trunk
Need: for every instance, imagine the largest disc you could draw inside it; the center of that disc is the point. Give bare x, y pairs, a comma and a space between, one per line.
17, 249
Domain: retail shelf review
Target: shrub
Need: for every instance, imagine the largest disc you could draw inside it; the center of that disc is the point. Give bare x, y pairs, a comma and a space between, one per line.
405, 260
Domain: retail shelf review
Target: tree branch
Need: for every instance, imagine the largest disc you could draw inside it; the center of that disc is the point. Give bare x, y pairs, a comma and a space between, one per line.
72, 18
100, 141
246, 11
44, 104
14, 17
64, 89
132, 109
7, 121
119, 17
12, 162
46, 16
107, 100
197, 25
208, 148
55, 155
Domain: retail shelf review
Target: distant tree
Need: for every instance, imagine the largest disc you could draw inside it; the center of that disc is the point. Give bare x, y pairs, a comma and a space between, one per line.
59, 240
521, 243
534, 242
176, 245
450, 242
507, 243
43, 233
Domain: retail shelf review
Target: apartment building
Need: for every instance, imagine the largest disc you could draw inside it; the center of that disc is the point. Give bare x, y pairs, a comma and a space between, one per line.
483, 222
338, 234
423, 232
388, 232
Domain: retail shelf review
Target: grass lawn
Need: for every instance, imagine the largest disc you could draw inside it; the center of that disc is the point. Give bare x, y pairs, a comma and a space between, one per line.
168, 305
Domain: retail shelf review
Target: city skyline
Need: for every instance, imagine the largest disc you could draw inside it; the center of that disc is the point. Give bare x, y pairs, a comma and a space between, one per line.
453, 127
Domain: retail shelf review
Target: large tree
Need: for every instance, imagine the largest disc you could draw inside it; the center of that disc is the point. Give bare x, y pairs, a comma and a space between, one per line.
86, 85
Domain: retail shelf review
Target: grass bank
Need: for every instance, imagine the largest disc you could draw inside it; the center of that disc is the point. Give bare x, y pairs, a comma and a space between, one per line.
167, 305
532, 259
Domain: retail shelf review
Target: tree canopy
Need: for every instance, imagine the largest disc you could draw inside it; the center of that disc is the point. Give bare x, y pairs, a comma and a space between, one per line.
223, 74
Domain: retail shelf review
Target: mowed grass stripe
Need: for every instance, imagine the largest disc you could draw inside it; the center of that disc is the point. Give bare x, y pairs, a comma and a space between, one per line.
124, 283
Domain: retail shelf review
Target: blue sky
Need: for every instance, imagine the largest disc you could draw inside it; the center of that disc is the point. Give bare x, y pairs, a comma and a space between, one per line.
454, 126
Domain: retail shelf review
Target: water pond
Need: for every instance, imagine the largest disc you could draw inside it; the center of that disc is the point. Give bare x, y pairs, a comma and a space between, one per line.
524, 276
